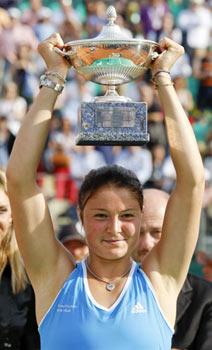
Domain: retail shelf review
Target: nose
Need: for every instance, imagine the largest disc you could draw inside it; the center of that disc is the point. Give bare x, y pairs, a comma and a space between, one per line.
114, 225
145, 244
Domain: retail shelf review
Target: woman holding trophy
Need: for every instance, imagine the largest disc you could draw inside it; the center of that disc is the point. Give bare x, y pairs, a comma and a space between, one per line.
106, 301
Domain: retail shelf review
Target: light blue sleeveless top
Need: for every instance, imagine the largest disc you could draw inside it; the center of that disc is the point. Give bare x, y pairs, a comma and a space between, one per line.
75, 321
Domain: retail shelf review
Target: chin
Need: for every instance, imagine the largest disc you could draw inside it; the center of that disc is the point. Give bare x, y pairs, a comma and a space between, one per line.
115, 254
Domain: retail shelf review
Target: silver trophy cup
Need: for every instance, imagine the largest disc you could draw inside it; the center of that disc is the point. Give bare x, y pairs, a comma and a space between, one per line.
111, 59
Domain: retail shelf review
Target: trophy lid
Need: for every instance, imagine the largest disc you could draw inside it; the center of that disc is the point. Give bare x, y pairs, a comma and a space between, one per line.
112, 31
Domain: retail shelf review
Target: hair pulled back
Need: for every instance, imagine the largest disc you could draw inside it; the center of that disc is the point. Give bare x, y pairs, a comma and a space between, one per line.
109, 175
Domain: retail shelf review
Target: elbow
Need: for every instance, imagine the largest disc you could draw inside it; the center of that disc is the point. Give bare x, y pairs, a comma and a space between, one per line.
198, 181
192, 180
200, 177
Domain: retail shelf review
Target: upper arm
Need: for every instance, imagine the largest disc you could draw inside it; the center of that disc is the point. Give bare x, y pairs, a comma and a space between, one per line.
179, 234
41, 251
168, 263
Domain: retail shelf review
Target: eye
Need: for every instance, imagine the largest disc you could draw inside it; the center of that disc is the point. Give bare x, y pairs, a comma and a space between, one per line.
100, 216
156, 234
127, 216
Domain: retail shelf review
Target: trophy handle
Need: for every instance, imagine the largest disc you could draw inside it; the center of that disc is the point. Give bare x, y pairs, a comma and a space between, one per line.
154, 52
68, 52
153, 55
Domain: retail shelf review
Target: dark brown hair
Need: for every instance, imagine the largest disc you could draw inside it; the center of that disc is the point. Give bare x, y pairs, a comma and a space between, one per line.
109, 175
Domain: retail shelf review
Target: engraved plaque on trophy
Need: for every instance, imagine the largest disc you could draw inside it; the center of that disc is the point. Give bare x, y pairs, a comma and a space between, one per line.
111, 59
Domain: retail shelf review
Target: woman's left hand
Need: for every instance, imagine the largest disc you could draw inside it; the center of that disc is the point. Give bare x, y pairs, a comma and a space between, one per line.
170, 52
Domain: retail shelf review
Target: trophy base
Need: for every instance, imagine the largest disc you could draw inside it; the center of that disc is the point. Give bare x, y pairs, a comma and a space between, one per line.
113, 123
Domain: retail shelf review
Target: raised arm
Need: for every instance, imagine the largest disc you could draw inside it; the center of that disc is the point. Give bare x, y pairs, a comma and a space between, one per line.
171, 258
45, 259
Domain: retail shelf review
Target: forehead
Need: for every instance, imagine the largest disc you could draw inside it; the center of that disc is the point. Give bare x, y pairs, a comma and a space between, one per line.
111, 196
153, 217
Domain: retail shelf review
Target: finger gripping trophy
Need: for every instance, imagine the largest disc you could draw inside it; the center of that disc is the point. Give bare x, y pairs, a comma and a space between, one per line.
111, 59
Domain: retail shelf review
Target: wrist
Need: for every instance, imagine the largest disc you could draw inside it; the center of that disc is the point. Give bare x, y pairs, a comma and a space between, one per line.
60, 71
52, 82
55, 76
160, 72
162, 79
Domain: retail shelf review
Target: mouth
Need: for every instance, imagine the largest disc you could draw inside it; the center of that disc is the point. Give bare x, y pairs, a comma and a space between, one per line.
114, 241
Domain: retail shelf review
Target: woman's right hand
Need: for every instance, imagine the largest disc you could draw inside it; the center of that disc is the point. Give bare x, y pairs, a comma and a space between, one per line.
53, 60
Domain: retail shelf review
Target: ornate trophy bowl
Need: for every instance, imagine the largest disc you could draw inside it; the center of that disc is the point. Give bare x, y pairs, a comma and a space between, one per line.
111, 59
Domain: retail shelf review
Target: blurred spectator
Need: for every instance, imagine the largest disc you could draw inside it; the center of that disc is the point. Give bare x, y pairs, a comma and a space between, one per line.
18, 326
77, 90
184, 94
60, 160
107, 152
65, 136
169, 174
182, 68
123, 25
68, 16
203, 72
158, 158
155, 116
24, 72
170, 29
6, 142
206, 262
152, 14
74, 242
136, 159
208, 153
6, 4
157, 131
83, 159
195, 22
44, 26
68, 31
12, 106
14, 35
201, 128
59, 164
4, 19
96, 17
30, 15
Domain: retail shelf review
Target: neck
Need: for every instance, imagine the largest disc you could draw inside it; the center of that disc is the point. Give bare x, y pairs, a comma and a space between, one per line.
110, 284
109, 269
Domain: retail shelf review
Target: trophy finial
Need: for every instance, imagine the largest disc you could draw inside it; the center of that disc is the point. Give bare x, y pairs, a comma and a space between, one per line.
111, 15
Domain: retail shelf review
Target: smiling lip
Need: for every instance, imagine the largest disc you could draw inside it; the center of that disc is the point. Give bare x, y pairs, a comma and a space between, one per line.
113, 241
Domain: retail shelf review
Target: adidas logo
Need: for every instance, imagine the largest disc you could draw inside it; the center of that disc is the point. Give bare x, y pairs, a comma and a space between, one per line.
138, 309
